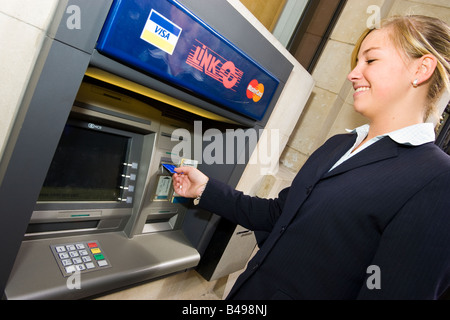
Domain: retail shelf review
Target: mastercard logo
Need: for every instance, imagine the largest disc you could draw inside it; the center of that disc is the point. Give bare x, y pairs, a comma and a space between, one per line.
255, 90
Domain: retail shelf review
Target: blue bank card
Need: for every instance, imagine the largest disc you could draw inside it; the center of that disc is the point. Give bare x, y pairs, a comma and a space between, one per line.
169, 167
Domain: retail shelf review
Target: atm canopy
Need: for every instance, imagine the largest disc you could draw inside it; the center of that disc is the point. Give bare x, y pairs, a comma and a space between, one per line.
165, 39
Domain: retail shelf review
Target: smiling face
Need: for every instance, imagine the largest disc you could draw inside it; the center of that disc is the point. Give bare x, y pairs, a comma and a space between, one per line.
382, 77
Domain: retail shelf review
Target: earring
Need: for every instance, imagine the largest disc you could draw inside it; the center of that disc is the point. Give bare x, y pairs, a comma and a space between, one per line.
415, 83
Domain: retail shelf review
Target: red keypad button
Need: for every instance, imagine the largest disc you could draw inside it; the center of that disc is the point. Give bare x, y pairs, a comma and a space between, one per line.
92, 245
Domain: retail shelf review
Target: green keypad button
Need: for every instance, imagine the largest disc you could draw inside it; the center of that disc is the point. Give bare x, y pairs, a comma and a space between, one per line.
99, 257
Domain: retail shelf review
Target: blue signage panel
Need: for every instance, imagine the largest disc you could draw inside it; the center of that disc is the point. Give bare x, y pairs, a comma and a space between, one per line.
165, 39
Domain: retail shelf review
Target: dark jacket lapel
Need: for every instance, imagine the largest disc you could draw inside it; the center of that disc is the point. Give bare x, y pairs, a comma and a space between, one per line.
314, 170
384, 149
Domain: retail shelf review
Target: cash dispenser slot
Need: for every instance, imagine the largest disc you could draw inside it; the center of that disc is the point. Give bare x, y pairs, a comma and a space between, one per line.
161, 220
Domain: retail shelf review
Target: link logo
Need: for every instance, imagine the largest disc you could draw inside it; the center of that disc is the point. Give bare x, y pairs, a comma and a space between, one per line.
214, 65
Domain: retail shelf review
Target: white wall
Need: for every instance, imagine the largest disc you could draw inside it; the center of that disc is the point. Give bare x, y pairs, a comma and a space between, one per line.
23, 27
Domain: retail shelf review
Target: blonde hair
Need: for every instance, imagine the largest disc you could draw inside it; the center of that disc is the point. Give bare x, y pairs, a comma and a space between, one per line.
417, 36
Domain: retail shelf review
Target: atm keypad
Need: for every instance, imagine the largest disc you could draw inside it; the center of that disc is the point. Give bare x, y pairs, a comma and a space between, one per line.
79, 256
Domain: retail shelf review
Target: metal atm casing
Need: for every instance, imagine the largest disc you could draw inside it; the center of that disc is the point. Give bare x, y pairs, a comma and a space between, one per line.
65, 59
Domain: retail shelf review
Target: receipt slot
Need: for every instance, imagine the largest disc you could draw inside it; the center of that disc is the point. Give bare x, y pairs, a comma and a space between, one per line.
100, 120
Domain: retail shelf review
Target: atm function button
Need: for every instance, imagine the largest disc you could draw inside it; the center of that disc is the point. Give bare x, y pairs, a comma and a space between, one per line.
102, 263
99, 257
92, 245
96, 250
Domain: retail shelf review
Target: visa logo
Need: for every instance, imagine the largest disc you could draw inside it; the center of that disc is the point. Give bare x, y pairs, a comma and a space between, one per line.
161, 32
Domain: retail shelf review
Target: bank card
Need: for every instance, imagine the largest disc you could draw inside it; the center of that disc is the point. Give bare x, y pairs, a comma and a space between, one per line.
169, 167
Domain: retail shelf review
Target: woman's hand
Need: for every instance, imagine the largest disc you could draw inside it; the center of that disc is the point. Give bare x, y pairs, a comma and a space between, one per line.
189, 182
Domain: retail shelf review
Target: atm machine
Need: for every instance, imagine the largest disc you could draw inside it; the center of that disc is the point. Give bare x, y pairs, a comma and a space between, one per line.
86, 191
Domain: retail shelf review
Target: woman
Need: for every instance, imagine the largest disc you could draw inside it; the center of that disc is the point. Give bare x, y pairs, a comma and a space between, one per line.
368, 215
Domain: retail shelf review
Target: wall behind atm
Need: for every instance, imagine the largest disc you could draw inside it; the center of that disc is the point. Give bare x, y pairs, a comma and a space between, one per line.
22, 33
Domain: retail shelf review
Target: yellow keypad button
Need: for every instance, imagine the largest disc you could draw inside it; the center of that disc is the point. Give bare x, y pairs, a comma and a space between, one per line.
95, 250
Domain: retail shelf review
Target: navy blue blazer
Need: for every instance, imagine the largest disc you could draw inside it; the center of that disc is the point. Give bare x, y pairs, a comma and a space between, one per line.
388, 206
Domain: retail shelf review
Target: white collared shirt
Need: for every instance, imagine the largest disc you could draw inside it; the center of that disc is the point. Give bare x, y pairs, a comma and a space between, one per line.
414, 135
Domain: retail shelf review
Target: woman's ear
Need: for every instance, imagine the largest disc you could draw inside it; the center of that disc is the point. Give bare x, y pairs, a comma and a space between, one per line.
425, 68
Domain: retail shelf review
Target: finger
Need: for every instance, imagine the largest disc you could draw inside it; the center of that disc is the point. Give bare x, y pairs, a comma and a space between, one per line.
184, 170
178, 170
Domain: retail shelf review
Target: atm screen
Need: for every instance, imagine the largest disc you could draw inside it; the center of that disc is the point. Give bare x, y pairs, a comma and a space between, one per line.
87, 166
